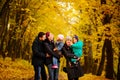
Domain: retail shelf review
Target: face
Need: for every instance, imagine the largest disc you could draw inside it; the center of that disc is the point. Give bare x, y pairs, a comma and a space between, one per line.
43, 38
68, 42
74, 40
58, 39
51, 37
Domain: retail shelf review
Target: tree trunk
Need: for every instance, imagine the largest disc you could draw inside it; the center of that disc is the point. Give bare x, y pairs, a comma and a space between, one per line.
4, 14
101, 66
118, 73
12, 43
90, 57
85, 57
109, 66
88, 53
94, 70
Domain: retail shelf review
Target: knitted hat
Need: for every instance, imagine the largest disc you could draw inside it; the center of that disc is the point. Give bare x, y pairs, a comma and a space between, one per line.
60, 36
47, 34
76, 37
68, 38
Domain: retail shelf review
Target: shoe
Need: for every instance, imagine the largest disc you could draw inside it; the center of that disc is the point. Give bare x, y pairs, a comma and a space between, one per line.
54, 66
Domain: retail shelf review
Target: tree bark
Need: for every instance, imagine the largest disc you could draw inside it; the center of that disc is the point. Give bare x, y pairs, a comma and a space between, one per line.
118, 73
4, 15
90, 57
109, 66
85, 57
88, 54
101, 66
94, 70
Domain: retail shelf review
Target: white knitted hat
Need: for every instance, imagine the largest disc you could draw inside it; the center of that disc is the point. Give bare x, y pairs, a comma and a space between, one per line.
60, 36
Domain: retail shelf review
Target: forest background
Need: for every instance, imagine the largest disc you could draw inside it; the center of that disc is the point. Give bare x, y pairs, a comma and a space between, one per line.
22, 20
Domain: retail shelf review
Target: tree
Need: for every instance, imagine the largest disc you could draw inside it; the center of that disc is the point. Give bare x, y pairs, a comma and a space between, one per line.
118, 68
118, 73
4, 15
107, 47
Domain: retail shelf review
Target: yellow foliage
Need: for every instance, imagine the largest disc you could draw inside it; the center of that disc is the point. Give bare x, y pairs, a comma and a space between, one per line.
18, 70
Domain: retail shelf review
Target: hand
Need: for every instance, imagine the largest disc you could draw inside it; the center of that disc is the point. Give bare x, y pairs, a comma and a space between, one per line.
69, 64
47, 55
71, 43
55, 49
78, 59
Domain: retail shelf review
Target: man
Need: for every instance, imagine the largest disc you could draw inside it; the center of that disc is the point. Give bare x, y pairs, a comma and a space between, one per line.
38, 57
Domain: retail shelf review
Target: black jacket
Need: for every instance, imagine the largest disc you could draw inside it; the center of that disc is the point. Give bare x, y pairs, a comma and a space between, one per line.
38, 57
49, 46
73, 71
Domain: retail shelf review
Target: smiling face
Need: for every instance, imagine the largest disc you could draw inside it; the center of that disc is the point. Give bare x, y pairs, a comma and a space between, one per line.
42, 38
50, 37
74, 40
68, 42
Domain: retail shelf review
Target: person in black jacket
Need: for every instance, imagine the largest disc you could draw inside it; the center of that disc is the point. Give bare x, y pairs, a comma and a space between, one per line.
49, 49
38, 57
73, 71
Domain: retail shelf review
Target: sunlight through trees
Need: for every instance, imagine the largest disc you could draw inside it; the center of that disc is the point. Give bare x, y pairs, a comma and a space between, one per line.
21, 20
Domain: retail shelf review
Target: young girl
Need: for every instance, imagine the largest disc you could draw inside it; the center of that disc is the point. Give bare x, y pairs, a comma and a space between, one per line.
77, 48
59, 44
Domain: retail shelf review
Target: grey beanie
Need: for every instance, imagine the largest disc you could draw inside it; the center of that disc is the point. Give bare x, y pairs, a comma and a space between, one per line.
68, 38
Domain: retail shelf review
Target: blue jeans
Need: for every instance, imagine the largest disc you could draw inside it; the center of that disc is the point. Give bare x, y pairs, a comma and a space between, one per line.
55, 61
50, 72
53, 73
40, 70
56, 72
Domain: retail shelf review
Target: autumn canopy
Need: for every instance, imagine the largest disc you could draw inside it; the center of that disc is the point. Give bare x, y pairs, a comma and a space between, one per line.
22, 20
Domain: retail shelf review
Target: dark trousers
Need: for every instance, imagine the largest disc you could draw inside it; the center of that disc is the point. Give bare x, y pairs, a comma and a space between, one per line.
40, 71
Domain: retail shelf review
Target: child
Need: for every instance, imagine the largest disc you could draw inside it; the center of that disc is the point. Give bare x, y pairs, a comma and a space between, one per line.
59, 44
77, 48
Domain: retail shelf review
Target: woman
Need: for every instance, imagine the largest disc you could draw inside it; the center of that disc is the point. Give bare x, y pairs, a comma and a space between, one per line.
49, 47
73, 71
